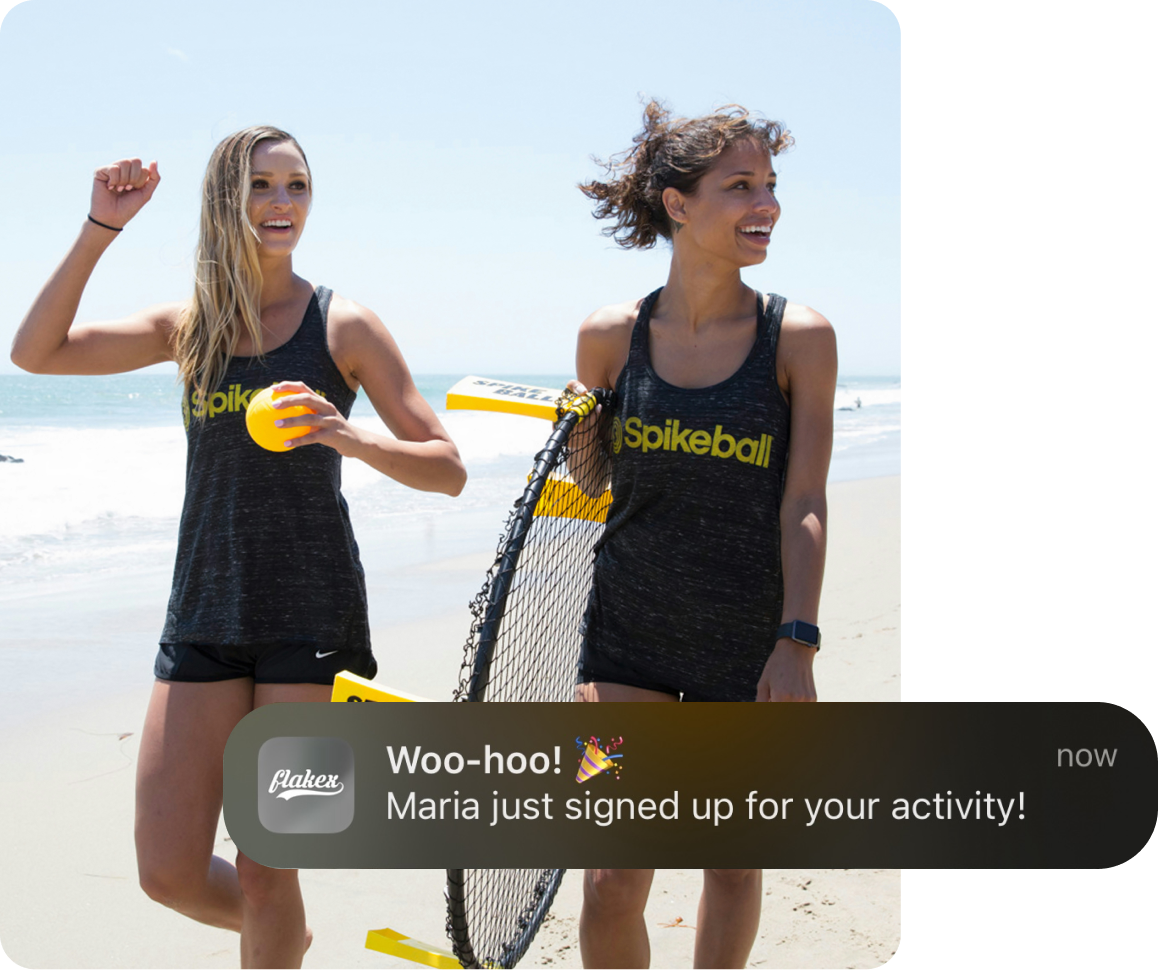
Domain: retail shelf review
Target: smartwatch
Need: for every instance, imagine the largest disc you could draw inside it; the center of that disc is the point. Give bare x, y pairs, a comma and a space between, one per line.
801, 632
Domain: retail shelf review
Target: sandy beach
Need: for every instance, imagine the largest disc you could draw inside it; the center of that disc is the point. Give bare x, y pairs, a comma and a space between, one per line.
68, 887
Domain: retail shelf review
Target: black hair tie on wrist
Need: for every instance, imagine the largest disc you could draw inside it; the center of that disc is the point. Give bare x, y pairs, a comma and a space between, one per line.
103, 226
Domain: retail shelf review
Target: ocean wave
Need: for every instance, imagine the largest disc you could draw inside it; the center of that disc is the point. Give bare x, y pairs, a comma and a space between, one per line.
99, 481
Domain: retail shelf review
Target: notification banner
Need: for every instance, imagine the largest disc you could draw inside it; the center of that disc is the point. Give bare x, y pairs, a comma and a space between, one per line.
407, 785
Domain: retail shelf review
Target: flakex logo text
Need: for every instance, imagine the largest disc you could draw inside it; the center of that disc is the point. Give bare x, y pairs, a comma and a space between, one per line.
287, 785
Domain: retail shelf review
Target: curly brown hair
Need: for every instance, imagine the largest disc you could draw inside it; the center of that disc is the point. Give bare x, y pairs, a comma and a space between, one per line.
670, 153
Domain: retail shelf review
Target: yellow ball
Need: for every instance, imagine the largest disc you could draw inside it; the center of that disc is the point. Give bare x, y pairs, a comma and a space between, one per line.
261, 415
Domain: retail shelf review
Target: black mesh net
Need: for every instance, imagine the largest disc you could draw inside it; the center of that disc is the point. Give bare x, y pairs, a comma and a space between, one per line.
525, 638
524, 646
494, 913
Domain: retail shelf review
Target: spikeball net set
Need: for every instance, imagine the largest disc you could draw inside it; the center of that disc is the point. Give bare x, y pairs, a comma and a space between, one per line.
524, 645
493, 914
525, 636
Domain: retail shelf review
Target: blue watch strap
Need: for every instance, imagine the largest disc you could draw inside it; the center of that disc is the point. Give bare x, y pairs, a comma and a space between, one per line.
801, 632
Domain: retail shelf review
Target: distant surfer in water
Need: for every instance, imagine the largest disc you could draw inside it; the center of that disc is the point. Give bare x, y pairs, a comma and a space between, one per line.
707, 579
269, 599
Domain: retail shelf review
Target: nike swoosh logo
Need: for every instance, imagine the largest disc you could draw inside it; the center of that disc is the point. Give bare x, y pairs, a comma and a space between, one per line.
319, 654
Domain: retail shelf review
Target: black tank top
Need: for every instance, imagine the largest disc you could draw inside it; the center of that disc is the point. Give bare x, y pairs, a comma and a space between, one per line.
688, 585
265, 552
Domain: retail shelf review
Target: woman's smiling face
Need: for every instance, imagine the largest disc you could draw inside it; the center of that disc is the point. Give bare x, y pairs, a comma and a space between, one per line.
733, 209
279, 196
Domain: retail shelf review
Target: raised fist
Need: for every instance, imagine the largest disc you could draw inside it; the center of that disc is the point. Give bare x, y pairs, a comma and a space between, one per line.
121, 189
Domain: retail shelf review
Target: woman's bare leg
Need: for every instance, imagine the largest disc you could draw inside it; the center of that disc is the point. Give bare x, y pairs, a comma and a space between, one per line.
611, 928
273, 917
179, 798
179, 802
729, 917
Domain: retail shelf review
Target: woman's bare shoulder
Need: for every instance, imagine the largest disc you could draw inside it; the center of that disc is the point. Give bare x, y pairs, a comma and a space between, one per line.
345, 312
612, 320
360, 344
355, 330
807, 341
604, 341
798, 317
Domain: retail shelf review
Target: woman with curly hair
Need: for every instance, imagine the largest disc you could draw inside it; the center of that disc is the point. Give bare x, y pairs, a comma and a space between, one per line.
707, 579
269, 599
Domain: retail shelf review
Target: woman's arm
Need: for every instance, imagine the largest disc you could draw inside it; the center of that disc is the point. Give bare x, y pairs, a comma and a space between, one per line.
603, 344
46, 341
806, 365
421, 455
600, 354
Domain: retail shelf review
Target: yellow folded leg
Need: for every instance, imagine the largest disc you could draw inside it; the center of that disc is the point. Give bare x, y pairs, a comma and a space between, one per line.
394, 943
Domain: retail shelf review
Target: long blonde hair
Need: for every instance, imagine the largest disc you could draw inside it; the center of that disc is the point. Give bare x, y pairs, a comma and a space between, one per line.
227, 276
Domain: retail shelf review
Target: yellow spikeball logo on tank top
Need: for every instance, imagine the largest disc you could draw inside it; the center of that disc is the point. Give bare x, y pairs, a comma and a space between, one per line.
671, 436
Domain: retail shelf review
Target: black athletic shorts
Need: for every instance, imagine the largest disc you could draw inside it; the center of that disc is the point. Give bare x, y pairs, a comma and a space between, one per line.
594, 667
268, 663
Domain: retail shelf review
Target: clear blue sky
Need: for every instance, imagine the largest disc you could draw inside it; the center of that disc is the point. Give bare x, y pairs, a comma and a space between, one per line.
446, 141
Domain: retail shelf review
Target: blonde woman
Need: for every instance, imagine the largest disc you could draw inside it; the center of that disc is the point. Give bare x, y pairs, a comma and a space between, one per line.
707, 580
268, 598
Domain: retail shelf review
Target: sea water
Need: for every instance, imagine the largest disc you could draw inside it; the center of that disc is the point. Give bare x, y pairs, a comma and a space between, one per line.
89, 512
